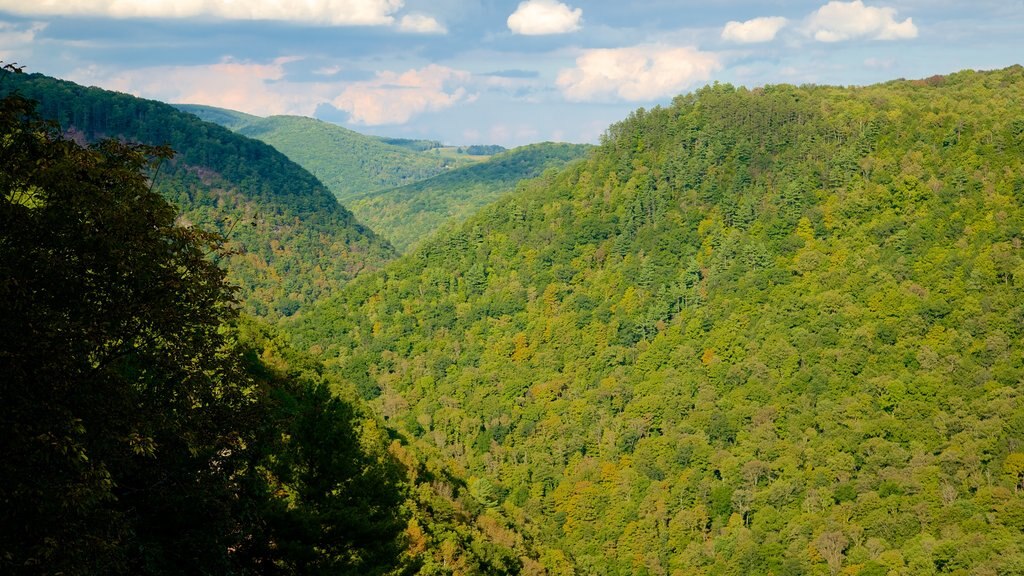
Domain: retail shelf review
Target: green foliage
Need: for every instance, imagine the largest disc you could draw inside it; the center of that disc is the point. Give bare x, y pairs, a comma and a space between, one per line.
288, 240
347, 162
482, 149
412, 213
140, 432
417, 145
337, 502
230, 119
772, 330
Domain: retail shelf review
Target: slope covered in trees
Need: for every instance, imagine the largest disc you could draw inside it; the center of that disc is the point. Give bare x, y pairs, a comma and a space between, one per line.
146, 429
756, 331
289, 240
411, 213
347, 162
230, 119
149, 429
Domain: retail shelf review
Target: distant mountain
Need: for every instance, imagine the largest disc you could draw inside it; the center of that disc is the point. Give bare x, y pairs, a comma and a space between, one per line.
412, 213
292, 241
348, 162
230, 119
767, 331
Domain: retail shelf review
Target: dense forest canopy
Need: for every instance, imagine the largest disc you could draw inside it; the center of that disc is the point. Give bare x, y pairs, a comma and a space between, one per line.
146, 428
757, 331
412, 213
289, 240
150, 429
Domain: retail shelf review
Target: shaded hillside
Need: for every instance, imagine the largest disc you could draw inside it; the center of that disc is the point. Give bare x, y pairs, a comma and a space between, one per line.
146, 429
347, 162
411, 213
292, 240
757, 331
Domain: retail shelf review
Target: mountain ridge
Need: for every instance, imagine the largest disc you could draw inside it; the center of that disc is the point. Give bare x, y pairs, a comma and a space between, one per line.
277, 216
409, 204
347, 161
416, 211
770, 330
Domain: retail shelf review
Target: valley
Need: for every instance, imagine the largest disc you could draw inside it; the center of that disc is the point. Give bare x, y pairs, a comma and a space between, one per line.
772, 330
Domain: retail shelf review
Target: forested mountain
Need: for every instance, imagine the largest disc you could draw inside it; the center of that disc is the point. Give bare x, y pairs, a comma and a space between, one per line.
411, 213
146, 428
289, 239
408, 188
757, 331
347, 162
230, 119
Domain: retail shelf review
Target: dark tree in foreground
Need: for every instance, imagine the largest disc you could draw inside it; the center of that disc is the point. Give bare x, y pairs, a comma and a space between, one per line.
135, 437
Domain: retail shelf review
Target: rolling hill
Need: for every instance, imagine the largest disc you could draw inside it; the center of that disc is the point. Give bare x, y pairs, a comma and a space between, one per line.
289, 239
408, 214
404, 189
347, 162
756, 331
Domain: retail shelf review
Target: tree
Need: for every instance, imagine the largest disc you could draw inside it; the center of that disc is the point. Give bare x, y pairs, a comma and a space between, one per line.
831, 546
136, 437
328, 501
116, 385
1014, 470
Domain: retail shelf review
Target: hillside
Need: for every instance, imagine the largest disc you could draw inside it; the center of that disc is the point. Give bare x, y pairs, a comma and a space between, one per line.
757, 331
347, 162
411, 213
150, 428
230, 119
291, 240
146, 428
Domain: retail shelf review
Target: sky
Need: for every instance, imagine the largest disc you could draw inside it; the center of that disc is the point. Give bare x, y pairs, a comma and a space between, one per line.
492, 71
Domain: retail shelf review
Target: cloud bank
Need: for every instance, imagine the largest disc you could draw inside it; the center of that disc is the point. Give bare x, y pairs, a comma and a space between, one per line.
542, 17
238, 85
636, 73
263, 89
17, 37
421, 24
838, 21
753, 31
393, 98
332, 12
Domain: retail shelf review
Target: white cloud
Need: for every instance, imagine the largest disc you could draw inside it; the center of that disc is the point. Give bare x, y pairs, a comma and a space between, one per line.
752, 31
838, 21
263, 89
636, 73
421, 24
332, 12
245, 86
540, 17
17, 37
393, 98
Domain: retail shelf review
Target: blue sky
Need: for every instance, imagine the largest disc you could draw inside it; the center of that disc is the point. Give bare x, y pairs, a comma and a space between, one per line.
490, 71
